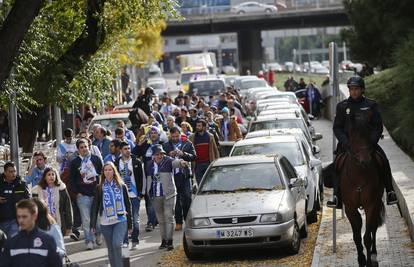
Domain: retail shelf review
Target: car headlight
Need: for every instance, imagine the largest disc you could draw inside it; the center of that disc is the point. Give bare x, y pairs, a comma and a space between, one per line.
200, 222
271, 218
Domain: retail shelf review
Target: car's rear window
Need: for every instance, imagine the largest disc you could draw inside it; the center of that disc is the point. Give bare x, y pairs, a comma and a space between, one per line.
290, 150
231, 178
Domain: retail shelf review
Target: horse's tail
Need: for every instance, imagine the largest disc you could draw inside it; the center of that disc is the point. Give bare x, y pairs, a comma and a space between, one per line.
381, 216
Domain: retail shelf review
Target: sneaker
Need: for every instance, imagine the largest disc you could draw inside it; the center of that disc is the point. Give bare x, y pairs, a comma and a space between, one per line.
178, 227
134, 246
391, 198
149, 228
89, 245
170, 245
125, 245
74, 236
98, 239
163, 245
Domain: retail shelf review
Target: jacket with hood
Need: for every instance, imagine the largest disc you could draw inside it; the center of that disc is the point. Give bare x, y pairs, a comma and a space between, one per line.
61, 200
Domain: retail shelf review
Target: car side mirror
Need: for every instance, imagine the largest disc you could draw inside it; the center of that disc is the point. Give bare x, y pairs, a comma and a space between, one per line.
314, 162
317, 136
316, 150
178, 82
295, 182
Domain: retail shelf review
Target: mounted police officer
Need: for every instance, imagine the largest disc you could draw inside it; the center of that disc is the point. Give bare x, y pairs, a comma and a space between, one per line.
357, 101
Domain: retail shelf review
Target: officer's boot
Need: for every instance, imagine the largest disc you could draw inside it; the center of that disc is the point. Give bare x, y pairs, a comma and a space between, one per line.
391, 196
336, 201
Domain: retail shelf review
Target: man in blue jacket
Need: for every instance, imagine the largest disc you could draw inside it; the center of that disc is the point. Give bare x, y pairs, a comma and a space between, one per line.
12, 190
31, 247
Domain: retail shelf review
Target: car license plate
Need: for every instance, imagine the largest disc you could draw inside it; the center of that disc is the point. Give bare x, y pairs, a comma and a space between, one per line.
235, 233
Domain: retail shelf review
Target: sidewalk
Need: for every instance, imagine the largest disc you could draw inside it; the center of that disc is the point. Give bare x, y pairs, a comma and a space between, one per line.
394, 245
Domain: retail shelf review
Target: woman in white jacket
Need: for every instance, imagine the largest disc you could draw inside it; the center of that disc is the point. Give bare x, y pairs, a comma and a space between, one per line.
53, 191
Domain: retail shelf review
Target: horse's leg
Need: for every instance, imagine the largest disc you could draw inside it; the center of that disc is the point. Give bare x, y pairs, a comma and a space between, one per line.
356, 224
368, 240
374, 247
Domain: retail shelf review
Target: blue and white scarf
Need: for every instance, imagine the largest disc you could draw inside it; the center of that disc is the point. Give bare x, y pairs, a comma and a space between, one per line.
156, 185
113, 200
126, 176
50, 201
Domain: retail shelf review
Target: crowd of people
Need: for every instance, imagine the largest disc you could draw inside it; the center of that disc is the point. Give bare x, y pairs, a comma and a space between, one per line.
101, 180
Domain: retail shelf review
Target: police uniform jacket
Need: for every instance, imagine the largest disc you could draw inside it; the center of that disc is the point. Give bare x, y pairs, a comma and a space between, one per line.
31, 249
348, 108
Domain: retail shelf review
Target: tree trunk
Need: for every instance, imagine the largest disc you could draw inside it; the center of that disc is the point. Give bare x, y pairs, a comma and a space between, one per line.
59, 74
29, 124
13, 32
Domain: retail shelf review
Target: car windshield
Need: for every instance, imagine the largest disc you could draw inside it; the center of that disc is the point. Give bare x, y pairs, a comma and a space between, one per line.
206, 88
157, 85
245, 85
276, 124
290, 150
185, 77
290, 98
241, 177
110, 123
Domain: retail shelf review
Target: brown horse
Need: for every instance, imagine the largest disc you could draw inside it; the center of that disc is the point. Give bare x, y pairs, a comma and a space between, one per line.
362, 186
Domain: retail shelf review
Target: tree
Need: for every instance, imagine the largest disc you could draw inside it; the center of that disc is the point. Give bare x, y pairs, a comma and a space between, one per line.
69, 44
12, 32
378, 27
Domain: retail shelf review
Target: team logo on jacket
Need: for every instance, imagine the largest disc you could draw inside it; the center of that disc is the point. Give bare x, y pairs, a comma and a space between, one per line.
37, 242
347, 111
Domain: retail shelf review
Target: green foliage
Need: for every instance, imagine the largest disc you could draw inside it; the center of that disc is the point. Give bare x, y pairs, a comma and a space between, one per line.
378, 27
393, 89
52, 34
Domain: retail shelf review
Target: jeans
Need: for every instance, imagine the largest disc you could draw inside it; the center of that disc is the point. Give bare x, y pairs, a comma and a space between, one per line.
77, 222
85, 204
10, 228
114, 235
152, 219
135, 203
183, 202
200, 169
164, 208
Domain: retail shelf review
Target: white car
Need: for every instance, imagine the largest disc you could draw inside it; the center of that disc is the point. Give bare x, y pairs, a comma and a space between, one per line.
253, 7
247, 202
274, 66
158, 84
294, 150
109, 121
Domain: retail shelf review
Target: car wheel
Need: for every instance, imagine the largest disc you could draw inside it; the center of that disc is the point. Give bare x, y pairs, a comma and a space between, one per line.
294, 245
304, 229
190, 254
268, 11
241, 12
317, 204
312, 217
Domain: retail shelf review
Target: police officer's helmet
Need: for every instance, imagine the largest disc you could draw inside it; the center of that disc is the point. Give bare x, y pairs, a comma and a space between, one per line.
356, 81
149, 91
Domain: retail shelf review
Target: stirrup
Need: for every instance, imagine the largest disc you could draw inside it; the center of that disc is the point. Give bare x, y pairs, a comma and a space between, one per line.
332, 203
393, 197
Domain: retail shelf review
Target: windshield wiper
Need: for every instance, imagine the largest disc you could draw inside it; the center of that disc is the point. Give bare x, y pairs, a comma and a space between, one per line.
216, 191
251, 189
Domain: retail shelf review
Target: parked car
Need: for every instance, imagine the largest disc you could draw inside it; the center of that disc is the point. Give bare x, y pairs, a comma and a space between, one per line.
228, 69
238, 80
206, 86
247, 84
109, 121
253, 7
247, 202
293, 149
290, 66
274, 66
158, 84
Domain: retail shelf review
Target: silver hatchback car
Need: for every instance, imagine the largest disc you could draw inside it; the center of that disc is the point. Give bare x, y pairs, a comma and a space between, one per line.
247, 202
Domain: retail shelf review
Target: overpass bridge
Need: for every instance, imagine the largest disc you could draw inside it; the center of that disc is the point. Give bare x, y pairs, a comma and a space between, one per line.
248, 28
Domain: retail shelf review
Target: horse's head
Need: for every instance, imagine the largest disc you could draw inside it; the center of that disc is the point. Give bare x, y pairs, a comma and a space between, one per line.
359, 137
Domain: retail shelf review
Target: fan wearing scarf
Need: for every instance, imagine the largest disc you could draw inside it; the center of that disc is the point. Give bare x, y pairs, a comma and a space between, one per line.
53, 191
112, 204
161, 189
